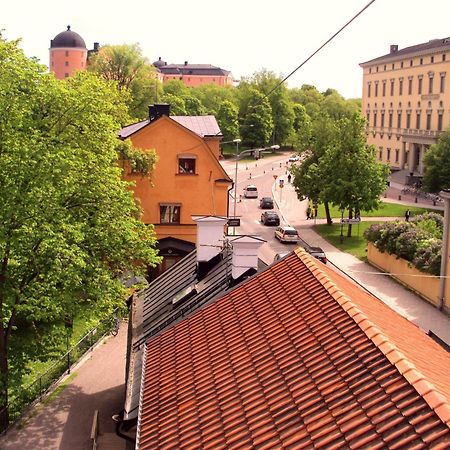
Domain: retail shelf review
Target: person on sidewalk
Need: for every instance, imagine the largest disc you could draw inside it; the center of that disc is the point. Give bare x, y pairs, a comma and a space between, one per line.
407, 215
308, 213
289, 178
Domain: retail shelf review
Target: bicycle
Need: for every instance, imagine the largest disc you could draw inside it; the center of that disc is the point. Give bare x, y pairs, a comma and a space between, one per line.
116, 326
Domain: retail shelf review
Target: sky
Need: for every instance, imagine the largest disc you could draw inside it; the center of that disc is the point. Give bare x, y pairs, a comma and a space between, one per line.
243, 36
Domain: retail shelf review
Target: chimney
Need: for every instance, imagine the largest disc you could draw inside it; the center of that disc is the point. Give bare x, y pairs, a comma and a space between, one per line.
210, 237
96, 46
157, 110
185, 63
394, 48
245, 254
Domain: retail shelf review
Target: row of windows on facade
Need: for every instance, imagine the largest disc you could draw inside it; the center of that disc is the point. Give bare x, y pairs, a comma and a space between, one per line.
388, 154
410, 86
182, 78
411, 63
408, 120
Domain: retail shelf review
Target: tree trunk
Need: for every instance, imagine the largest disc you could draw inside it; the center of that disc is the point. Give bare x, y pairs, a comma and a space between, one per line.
4, 417
327, 213
349, 227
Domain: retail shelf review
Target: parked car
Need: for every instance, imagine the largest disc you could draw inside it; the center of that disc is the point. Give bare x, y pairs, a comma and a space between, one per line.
266, 203
270, 218
294, 158
251, 191
286, 234
318, 253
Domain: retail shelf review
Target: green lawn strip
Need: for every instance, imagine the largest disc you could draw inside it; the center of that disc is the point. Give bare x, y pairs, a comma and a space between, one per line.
356, 245
385, 210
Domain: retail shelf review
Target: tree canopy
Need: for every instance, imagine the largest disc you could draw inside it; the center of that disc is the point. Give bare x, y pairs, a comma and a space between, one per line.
437, 165
70, 225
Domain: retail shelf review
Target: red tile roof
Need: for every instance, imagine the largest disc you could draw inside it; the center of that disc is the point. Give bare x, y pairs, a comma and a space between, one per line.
287, 360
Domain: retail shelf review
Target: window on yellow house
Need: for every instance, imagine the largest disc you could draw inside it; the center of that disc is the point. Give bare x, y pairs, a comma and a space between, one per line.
186, 164
169, 213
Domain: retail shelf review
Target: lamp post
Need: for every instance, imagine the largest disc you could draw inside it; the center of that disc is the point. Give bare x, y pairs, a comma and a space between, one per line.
236, 141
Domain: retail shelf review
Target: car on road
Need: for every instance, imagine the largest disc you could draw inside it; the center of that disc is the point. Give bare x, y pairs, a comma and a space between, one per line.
266, 203
251, 191
318, 253
294, 158
270, 218
286, 234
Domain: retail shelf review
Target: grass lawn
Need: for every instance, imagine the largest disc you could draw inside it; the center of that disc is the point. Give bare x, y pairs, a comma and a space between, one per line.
355, 245
385, 210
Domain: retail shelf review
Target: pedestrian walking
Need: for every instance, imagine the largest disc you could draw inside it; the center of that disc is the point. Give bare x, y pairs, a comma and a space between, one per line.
289, 178
315, 211
407, 215
308, 213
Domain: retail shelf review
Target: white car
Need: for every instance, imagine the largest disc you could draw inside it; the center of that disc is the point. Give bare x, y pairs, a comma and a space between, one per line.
251, 191
294, 158
286, 234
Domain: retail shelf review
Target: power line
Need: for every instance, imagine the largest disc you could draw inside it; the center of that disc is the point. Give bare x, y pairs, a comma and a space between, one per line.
315, 52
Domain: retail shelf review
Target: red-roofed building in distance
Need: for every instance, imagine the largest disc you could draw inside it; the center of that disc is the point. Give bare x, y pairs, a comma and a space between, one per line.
193, 75
188, 179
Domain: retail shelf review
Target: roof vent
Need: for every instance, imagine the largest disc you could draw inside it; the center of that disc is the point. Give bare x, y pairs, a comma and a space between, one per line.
394, 48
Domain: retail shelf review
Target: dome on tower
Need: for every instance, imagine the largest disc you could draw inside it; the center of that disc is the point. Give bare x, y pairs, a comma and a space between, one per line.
68, 39
159, 63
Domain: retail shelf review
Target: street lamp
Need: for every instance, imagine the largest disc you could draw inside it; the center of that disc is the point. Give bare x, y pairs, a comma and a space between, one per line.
237, 142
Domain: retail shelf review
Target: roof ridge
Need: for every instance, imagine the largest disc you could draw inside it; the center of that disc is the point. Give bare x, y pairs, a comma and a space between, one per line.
436, 401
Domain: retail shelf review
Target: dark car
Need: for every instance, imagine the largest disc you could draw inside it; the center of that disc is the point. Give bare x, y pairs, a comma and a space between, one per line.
266, 203
270, 218
318, 253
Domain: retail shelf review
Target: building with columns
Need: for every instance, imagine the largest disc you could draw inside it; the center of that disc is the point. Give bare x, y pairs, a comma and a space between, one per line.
406, 102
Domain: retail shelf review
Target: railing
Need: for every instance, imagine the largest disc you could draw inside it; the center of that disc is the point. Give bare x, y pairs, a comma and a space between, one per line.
41, 385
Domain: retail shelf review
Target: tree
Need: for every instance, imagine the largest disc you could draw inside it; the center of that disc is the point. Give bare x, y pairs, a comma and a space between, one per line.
212, 96
353, 179
256, 125
282, 113
227, 117
437, 165
177, 104
134, 75
194, 106
70, 225
119, 63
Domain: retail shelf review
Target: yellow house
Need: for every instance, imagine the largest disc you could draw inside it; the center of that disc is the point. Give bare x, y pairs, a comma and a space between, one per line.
188, 179
406, 101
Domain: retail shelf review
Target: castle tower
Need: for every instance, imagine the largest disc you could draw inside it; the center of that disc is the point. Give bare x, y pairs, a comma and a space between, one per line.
68, 53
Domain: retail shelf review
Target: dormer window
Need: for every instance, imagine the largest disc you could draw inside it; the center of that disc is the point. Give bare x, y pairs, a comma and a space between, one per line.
186, 164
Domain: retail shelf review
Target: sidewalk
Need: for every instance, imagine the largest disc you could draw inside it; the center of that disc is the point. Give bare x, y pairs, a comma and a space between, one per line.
377, 283
64, 422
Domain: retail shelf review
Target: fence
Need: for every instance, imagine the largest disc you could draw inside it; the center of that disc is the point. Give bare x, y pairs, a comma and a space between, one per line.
41, 385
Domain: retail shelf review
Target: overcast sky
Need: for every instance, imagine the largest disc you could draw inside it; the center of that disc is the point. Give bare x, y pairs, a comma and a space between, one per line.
242, 36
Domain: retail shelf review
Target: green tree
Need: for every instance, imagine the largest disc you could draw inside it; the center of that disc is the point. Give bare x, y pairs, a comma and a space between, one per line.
133, 73
437, 165
227, 117
256, 125
70, 225
282, 107
194, 106
212, 96
353, 179
119, 63
177, 104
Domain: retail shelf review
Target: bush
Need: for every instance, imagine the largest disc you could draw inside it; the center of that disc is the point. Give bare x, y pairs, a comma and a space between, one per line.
418, 241
428, 259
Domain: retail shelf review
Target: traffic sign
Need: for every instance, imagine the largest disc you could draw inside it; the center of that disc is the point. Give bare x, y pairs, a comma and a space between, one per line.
234, 222
281, 183
275, 177
350, 221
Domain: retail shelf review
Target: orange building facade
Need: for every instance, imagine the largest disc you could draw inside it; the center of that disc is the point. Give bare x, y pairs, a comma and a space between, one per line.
188, 178
406, 101
193, 75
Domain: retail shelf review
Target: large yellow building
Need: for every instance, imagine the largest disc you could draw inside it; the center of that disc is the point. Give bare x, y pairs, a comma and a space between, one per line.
406, 101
